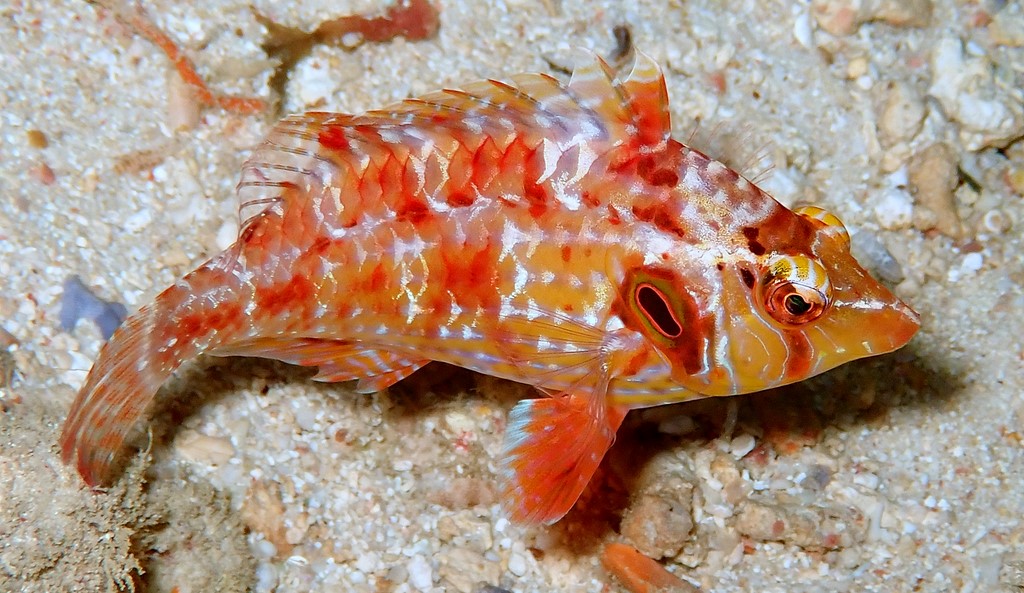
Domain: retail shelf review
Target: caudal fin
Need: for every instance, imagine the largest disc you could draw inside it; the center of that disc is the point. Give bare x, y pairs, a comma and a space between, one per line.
193, 316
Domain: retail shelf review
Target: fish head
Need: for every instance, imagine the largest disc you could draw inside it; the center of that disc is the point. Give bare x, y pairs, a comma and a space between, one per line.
773, 303
803, 305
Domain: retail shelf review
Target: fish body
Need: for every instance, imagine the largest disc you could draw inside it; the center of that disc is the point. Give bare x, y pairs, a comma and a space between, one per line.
553, 234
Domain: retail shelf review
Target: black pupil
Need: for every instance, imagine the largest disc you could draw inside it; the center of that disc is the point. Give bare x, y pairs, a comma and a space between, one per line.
657, 310
797, 305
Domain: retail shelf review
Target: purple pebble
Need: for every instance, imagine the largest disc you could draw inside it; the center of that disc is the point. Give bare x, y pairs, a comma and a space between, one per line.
78, 302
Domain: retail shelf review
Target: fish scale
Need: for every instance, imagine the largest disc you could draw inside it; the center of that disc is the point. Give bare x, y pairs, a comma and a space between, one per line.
553, 234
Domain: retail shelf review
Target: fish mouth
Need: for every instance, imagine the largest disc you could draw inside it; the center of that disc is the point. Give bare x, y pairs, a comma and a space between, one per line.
890, 327
906, 321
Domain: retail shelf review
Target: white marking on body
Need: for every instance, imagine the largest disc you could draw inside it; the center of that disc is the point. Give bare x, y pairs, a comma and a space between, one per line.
613, 323
521, 279
458, 233
586, 160
532, 310
551, 153
473, 123
657, 244
569, 199
362, 159
413, 308
511, 237
507, 309
692, 179
419, 168
715, 168
389, 134
456, 310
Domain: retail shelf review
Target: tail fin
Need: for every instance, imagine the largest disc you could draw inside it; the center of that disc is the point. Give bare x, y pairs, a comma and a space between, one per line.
198, 313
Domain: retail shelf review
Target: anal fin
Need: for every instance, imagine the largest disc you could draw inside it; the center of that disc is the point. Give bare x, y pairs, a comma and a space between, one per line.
386, 379
553, 446
338, 360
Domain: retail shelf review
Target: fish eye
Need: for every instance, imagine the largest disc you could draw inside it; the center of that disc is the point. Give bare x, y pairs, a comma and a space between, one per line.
793, 304
796, 290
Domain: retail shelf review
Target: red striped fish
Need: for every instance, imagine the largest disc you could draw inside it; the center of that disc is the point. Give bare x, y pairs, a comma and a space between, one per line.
548, 233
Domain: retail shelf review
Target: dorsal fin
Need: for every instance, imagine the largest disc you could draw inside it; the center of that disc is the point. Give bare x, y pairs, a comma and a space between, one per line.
594, 107
647, 96
528, 102
639, 102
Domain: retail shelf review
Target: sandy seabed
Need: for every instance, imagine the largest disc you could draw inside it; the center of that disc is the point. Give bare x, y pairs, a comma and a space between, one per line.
902, 473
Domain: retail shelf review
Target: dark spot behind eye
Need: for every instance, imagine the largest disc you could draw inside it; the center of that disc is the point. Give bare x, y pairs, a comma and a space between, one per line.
748, 277
751, 233
657, 311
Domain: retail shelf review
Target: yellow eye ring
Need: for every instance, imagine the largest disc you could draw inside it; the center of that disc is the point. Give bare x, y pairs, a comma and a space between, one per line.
795, 290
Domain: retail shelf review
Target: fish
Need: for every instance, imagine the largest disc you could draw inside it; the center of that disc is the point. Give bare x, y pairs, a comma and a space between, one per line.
549, 233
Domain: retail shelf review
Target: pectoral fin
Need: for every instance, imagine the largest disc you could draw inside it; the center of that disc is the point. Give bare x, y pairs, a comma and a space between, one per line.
552, 448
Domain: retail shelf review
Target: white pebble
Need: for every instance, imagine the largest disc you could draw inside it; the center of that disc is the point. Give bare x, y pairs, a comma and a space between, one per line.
741, 445
420, 573
265, 549
138, 221
803, 32
305, 415
368, 562
315, 82
894, 209
517, 564
972, 263
202, 448
988, 111
678, 425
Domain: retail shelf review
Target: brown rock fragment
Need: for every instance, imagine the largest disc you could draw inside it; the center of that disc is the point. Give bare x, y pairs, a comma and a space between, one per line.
901, 113
1011, 573
658, 526
1015, 179
42, 173
263, 511
465, 570
463, 493
933, 180
811, 528
843, 17
37, 139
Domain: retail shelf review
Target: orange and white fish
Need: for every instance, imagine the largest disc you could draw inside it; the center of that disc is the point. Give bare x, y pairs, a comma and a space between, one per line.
553, 234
